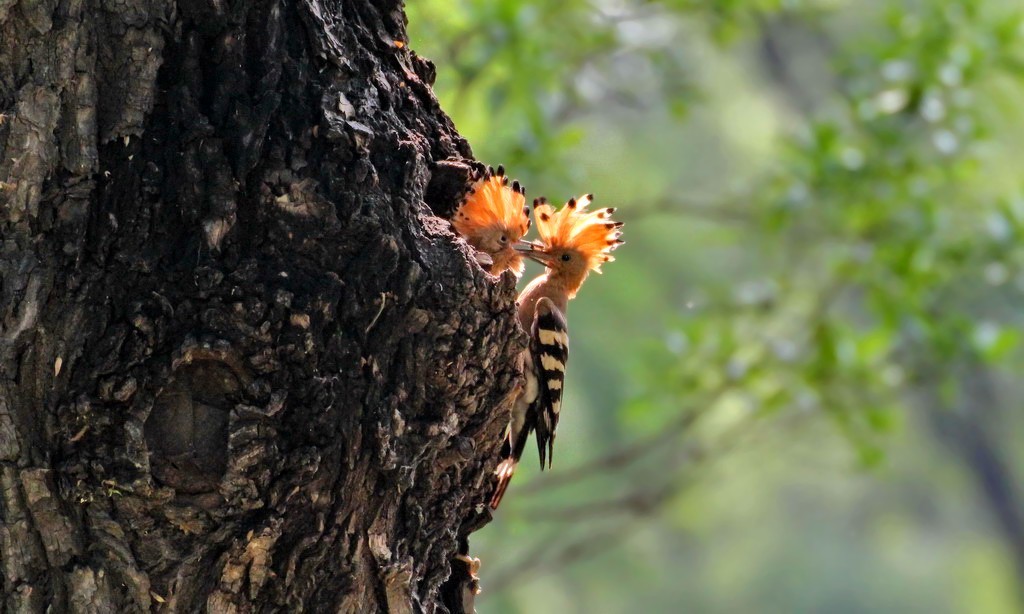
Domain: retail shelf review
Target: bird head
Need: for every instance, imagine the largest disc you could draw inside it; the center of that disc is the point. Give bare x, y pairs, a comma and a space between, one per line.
573, 241
493, 217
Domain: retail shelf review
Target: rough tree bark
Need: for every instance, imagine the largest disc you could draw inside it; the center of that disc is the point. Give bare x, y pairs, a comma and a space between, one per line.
243, 366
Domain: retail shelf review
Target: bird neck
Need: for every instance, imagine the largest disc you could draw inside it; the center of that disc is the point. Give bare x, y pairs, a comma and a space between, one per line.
547, 286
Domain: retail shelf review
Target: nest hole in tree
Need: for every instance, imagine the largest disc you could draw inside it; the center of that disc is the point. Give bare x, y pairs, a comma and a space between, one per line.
187, 430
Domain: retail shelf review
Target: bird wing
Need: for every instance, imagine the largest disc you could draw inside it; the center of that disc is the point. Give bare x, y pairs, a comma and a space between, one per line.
549, 344
538, 405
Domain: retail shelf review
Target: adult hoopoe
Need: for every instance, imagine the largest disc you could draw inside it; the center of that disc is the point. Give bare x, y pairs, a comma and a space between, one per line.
573, 242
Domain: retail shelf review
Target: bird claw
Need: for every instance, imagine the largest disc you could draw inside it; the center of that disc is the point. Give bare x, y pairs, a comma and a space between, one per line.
473, 566
471, 562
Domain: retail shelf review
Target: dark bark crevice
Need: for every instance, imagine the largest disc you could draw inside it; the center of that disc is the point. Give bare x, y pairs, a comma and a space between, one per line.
243, 365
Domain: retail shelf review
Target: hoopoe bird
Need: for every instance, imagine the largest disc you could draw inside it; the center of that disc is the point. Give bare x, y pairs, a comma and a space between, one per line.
573, 242
493, 217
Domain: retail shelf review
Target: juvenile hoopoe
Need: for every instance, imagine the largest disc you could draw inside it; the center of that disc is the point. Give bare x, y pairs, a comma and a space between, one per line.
573, 242
493, 217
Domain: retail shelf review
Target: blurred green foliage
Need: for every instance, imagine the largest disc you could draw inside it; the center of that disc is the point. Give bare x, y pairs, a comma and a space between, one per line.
795, 391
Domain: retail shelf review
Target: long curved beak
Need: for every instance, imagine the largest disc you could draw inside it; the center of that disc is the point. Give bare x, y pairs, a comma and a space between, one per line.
533, 251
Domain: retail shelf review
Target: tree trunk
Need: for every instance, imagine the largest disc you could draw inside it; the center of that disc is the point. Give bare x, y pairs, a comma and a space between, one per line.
971, 427
243, 366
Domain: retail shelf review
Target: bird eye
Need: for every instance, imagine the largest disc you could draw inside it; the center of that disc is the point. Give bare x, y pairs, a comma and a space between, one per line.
503, 239
566, 257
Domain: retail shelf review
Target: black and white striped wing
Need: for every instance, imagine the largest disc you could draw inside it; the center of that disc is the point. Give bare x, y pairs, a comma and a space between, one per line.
549, 345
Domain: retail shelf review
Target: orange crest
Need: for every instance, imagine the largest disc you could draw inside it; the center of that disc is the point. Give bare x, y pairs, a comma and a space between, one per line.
492, 203
591, 233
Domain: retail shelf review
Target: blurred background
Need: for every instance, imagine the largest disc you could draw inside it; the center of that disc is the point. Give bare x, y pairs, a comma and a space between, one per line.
798, 387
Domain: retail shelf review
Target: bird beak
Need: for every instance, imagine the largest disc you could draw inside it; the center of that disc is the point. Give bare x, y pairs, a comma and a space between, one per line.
533, 251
